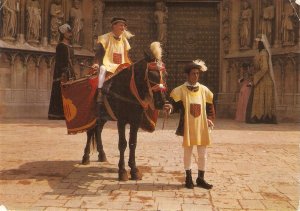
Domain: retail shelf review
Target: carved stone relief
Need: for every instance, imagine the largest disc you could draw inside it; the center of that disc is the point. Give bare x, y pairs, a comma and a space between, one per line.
34, 20
288, 24
9, 20
267, 19
226, 25
246, 25
57, 15
98, 12
76, 20
160, 18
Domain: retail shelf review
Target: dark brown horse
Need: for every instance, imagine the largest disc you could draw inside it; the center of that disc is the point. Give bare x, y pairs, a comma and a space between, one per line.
128, 108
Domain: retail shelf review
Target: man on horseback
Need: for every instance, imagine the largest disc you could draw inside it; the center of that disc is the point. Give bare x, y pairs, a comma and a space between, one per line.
112, 51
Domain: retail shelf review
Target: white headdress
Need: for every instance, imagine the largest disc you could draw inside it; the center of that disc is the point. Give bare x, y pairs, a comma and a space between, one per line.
200, 63
64, 28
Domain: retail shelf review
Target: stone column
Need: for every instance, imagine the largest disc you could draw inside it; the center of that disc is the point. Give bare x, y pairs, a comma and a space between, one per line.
278, 25
21, 17
235, 20
66, 5
257, 16
298, 29
45, 21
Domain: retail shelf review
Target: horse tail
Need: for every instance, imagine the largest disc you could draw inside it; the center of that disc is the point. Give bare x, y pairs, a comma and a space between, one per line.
93, 142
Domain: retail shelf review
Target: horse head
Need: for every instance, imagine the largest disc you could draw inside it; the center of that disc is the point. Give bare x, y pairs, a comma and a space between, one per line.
156, 74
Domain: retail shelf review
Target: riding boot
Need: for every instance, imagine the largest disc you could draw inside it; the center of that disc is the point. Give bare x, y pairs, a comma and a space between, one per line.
102, 114
201, 182
188, 179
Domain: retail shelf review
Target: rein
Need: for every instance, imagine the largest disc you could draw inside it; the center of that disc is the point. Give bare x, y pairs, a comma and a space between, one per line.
135, 92
144, 103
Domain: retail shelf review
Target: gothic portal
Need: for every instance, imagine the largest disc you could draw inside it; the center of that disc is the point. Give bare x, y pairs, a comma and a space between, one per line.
221, 33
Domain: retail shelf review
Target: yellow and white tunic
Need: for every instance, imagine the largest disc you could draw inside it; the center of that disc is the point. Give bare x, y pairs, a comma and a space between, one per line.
195, 117
116, 51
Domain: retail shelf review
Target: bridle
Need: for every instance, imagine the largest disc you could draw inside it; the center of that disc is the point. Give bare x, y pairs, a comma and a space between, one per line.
152, 85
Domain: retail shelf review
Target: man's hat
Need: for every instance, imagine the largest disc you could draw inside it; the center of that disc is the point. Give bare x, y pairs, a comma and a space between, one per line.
196, 64
115, 20
64, 28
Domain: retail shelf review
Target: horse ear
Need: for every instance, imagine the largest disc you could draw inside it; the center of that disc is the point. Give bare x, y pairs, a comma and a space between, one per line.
148, 55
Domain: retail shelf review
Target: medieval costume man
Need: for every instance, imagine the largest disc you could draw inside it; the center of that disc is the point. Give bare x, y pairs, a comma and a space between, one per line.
112, 51
264, 94
194, 101
63, 71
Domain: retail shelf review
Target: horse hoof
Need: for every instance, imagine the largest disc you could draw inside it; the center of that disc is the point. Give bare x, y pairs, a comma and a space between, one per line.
123, 175
102, 158
85, 161
136, 175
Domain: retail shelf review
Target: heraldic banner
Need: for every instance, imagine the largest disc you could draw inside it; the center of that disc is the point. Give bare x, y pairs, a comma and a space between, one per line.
79, 104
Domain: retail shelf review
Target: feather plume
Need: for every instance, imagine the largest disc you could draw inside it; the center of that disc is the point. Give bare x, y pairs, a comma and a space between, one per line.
128, 34
201, 64
156, 50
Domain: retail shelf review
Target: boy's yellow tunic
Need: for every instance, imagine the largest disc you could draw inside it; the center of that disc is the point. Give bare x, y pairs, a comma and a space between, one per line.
195, 117
116, 51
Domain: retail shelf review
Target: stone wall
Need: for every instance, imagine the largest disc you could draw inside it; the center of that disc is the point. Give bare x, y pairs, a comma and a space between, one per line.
241, 22
28, 37
220, 32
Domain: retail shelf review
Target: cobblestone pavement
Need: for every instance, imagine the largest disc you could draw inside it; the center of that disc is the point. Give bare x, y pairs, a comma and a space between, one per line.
252, 167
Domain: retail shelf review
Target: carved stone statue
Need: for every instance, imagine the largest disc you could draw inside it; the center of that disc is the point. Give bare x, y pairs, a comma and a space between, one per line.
34, 20
98, 13
246, 23
76, 22
9, 18
98, 17
288, 30
160, 17
57, 15
267, 19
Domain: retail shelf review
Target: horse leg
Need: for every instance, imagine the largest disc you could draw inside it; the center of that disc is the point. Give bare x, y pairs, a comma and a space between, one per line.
122, 147
135, 173
86, 156
101, 153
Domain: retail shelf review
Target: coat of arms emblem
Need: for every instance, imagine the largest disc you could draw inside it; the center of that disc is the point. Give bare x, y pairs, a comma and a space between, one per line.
195, 109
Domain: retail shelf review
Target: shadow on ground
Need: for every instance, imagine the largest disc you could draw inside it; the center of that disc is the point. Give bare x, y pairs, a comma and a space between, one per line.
71, 178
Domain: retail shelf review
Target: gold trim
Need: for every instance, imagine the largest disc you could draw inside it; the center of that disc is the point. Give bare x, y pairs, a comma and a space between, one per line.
82, 128
150, 120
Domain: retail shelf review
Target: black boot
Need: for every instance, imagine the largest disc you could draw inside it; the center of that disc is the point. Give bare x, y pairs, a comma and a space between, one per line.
101, 110
188, 179
201, 182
